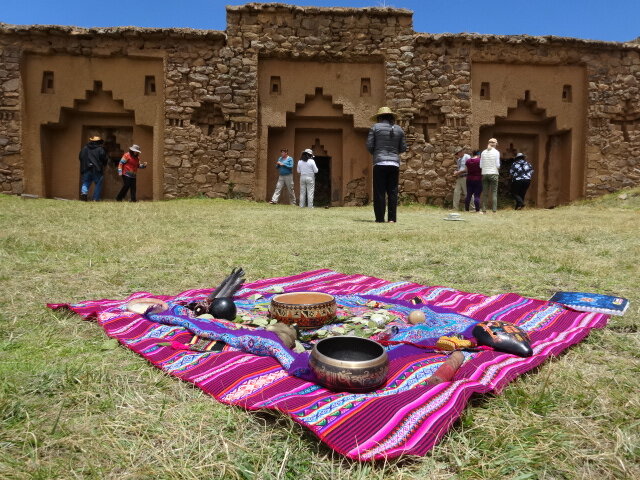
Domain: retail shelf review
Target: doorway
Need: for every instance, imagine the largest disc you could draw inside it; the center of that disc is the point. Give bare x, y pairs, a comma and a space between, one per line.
322, 196
116, 142
527, 129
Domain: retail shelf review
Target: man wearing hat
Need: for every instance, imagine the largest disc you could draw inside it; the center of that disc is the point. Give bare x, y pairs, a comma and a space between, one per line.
385, 142
127, 169
93, 158
307, 169
460, 175
520, 172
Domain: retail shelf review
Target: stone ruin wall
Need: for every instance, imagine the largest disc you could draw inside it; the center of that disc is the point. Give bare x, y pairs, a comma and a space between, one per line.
210, 131
613, 149
11, 171
324, 35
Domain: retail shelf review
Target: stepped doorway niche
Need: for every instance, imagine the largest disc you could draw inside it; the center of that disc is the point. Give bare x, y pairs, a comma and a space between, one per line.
71, 98
339, 148
527, 129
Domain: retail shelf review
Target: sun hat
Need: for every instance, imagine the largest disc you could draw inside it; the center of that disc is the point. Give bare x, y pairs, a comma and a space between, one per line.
458, 149
383, 111
520, 155
95, 138
135, 148
309, 151
453, 216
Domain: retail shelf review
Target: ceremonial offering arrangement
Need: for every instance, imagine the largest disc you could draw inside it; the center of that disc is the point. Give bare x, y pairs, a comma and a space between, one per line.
371, 384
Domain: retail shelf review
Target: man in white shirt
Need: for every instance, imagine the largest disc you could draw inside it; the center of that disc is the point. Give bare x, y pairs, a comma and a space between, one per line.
460, 174
490, 166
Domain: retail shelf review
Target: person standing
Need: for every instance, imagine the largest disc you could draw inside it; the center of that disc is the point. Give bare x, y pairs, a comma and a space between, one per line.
460, 175
93, 158
127, 169
285, 177
490, 167
385, 142
520, 172
307, 169
474, 181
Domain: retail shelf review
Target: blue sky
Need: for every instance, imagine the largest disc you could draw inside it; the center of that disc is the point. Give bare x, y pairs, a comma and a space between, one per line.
612, 20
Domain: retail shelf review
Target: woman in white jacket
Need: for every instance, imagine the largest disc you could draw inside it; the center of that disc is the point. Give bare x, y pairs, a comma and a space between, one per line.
307, 169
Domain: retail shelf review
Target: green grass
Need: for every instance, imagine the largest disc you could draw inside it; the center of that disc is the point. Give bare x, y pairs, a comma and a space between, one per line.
73, 404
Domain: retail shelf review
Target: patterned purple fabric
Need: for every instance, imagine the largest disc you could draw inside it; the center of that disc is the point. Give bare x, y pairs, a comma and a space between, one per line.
405, 416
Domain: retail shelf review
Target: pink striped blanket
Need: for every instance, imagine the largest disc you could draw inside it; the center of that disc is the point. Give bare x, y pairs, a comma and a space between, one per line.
406, 415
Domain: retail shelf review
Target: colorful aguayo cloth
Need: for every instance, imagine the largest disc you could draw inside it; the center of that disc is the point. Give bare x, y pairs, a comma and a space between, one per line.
404, 416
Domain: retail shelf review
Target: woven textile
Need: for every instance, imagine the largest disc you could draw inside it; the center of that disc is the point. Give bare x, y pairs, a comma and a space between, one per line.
405, 416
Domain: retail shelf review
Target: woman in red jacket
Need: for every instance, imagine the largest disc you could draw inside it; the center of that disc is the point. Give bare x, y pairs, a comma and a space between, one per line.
127, 169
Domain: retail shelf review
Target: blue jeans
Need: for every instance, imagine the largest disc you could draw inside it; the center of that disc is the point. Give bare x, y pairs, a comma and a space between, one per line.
92, 176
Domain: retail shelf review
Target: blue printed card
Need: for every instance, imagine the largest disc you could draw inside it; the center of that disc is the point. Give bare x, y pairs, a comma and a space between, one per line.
592, 302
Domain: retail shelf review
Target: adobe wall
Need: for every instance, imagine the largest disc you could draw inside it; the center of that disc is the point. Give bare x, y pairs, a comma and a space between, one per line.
213, 133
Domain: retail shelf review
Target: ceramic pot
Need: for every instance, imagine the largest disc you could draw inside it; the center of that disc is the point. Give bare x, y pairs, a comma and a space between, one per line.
350, 364
306, 309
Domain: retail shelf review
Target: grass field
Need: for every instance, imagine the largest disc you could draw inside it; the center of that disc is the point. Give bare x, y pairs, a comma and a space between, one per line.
74, 404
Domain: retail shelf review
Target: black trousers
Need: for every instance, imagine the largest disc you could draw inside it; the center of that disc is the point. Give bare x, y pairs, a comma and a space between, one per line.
385, 191
519, 190
129, 183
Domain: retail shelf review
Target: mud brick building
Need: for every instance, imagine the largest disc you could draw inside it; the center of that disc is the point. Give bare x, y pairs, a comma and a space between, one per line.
211, 109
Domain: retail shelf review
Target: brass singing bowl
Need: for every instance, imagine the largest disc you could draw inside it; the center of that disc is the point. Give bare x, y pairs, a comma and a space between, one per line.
306, 309
350, 364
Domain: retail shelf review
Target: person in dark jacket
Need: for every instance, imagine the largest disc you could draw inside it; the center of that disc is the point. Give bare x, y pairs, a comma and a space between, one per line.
520, 172
385, 142
93, 159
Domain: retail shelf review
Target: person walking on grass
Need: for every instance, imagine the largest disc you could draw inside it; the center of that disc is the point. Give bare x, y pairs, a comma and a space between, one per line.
520, 172
385, 142
127, 169
285, 177
490, 167
307, 169
93, 158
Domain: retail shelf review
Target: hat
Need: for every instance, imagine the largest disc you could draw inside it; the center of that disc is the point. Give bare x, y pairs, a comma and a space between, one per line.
454, 216
458, 149
95, 138
383, 111
134, 148
309, 151
520, 155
